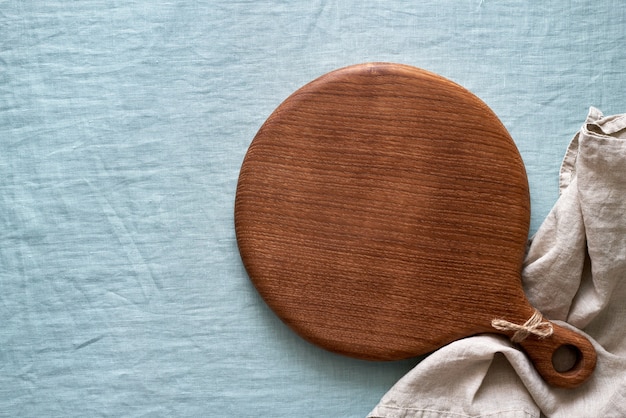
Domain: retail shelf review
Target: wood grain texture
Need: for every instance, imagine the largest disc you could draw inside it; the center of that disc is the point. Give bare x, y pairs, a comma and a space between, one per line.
382, 212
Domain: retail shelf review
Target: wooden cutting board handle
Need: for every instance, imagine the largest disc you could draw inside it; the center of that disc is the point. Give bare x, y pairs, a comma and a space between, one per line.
542, 353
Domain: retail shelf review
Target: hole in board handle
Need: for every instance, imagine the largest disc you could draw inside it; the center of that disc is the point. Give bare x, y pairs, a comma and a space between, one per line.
566, 358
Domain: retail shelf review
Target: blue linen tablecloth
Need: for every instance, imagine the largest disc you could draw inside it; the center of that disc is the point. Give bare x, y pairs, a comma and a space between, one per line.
122, 129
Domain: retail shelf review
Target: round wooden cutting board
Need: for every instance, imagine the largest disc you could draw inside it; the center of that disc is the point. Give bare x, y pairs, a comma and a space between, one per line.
382, 212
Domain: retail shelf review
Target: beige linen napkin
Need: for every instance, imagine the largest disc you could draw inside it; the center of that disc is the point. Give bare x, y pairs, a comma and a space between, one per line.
575, 274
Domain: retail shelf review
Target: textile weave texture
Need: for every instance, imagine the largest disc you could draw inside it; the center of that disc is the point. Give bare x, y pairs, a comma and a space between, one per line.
123, 126
575, 271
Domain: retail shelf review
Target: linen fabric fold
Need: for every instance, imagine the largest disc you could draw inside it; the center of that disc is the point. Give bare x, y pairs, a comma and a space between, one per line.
575, 274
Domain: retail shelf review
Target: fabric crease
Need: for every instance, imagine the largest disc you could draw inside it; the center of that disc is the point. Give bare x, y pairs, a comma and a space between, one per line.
574, 273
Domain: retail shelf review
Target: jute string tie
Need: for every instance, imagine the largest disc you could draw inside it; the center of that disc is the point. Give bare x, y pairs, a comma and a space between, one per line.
534, 326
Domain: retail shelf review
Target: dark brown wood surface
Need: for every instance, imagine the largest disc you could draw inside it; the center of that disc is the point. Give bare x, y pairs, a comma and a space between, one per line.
382, 212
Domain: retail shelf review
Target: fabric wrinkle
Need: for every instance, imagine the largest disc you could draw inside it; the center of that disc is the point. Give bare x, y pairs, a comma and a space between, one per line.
573, 273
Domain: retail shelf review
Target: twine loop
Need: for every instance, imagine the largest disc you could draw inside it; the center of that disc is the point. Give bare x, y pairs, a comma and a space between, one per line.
534, 326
